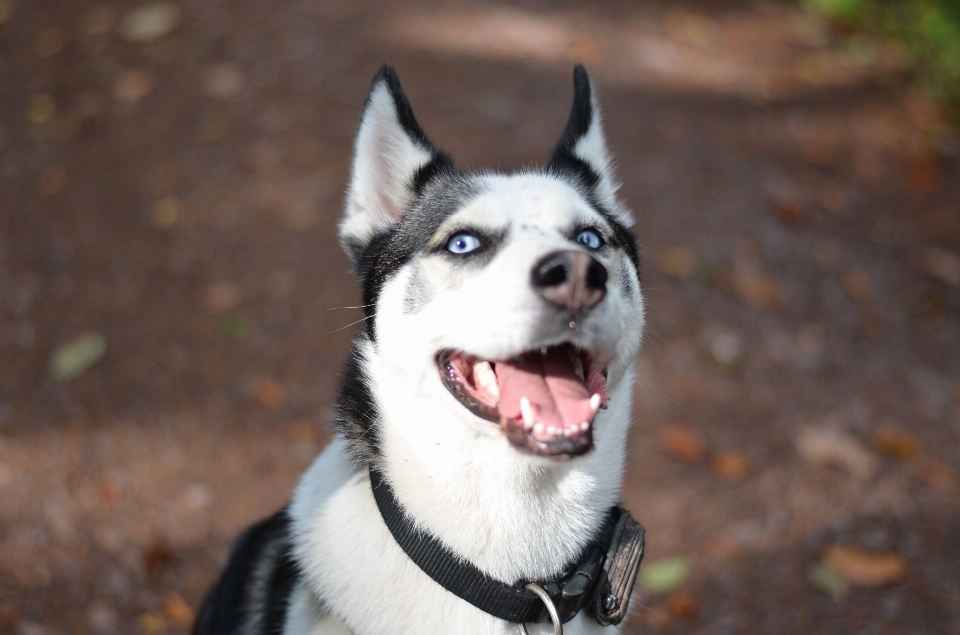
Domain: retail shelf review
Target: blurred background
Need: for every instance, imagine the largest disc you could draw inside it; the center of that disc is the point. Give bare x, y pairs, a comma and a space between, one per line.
170, 284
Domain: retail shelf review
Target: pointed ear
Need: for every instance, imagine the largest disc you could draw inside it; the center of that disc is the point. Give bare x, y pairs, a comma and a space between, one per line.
392, 162
581, 154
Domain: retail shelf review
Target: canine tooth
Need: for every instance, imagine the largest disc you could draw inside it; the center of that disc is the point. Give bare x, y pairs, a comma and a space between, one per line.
526, 411
485, 377
538, 429
578, 368
594, 404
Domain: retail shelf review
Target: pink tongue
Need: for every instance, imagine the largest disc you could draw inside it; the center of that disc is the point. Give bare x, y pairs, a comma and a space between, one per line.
559, 398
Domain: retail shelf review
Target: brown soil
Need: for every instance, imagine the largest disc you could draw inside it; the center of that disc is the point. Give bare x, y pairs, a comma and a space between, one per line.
800, 228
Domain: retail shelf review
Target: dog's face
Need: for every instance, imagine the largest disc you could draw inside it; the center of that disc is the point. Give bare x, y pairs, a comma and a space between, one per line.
512, 300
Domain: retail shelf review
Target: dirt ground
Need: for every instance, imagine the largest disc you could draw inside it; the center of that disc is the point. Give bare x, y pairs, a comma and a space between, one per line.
169, 182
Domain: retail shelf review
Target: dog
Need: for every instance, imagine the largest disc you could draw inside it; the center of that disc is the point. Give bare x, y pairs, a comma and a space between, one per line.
484, 410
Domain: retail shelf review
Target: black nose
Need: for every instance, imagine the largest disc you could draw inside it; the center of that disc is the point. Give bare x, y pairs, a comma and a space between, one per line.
571, 280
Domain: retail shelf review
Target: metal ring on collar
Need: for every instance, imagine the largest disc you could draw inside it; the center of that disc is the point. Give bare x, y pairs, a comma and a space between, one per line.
551, 609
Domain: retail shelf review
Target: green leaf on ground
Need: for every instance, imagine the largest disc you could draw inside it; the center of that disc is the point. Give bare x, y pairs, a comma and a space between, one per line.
663, 576
234, 325
828, 581
72, 359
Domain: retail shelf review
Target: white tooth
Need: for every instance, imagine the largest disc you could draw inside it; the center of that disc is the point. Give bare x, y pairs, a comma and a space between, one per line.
552, 431
594, 404
584, 426
543, 350
538, 429
486, 379
526, 411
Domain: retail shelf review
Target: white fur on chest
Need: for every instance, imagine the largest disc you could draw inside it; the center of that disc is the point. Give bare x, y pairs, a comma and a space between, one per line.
355, 570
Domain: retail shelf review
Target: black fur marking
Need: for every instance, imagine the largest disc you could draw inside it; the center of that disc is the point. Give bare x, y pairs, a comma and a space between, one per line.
408, 122
252, 595
565, 164
440, 162
392, 249
357, 413
563, 161
622, 237
439, 166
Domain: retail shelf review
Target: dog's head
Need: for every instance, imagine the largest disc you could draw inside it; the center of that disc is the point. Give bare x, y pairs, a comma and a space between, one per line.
510, 304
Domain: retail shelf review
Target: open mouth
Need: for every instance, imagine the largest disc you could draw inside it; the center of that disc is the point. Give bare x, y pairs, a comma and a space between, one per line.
545, 400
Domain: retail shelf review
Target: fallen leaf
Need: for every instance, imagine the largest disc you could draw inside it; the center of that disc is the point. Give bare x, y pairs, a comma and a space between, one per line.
934, 473
727, 350
166, 211
830, 447
109, 491
789, 209
269, 393
234, 325
133, 85
732, 466
663, 576
156, 557
754, 288
224, 81
682, 443
176, 609
6, 10
150, 22
51, 181
72, 359
41, 109
923, 177
828, 581
857, 284
940, 264
49, 42
676, 262
865, 568
221, 297
682, 605
213, 127
151, 622
196, 497
896, 443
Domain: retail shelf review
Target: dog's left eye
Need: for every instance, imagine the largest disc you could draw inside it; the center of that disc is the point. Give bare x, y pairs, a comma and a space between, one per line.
589, 238
463, 243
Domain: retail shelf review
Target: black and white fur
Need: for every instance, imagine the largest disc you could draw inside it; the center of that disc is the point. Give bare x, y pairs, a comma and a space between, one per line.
327, 563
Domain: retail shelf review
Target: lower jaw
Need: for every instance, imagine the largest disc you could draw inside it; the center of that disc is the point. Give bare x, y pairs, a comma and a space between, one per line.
559, 448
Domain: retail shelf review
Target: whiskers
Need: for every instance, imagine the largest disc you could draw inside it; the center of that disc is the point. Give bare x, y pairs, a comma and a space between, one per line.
338, 308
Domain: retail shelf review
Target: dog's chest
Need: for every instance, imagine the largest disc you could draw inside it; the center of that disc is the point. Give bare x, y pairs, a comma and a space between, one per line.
354, 568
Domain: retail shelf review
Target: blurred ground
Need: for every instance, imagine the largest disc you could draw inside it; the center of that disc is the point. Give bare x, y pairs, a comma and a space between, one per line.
169, 182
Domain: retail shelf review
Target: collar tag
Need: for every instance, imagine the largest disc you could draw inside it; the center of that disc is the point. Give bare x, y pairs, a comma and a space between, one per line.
621, 565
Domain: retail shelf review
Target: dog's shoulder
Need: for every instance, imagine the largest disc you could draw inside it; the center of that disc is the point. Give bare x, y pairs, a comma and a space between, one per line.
252, 594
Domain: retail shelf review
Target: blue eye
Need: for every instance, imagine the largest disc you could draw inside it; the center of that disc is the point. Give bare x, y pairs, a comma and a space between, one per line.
463, 243
590, 239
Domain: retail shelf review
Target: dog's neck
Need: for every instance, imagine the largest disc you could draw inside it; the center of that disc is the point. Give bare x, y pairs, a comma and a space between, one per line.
512, 516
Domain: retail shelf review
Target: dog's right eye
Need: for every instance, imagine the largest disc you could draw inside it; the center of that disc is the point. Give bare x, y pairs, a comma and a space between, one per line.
463, 243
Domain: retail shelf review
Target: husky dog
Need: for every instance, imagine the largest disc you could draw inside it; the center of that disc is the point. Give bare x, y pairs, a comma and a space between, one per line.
489, 389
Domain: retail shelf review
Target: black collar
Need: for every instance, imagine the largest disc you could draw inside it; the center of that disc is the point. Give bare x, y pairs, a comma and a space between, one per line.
600, 580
